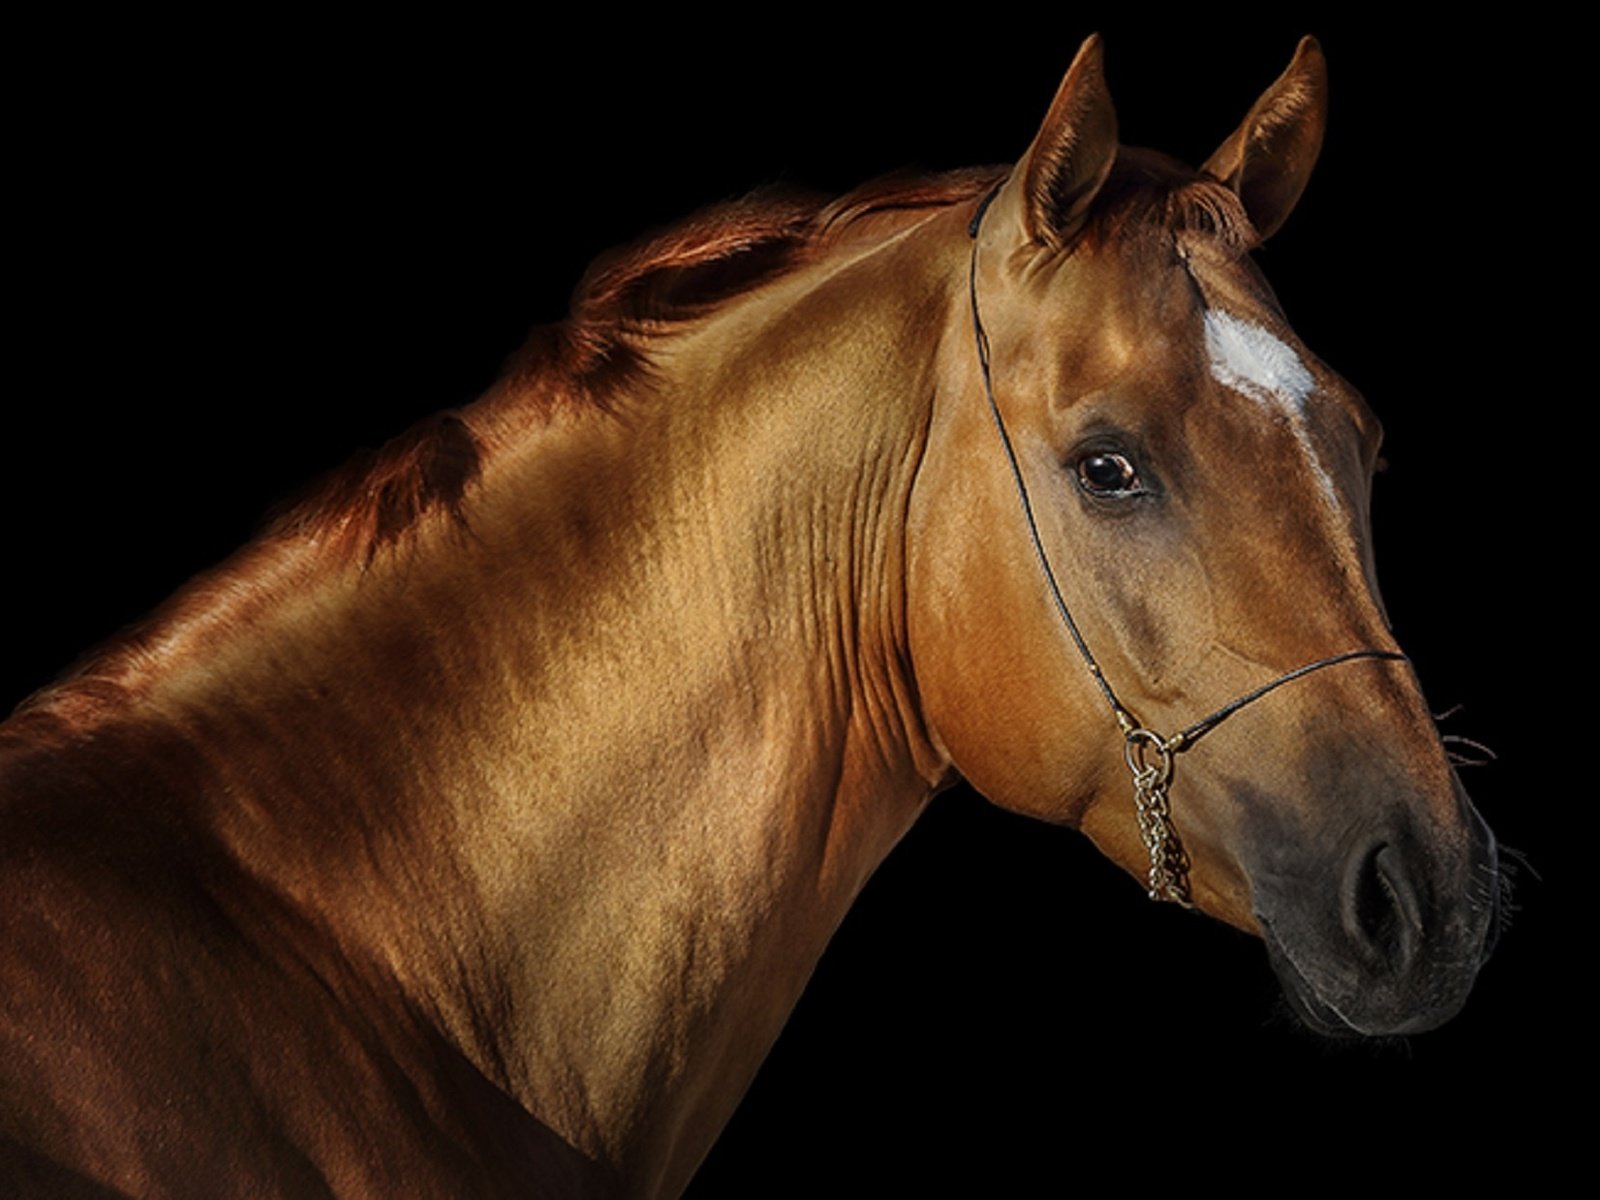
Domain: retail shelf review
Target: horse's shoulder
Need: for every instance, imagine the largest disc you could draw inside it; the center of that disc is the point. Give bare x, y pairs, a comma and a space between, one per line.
165, 1016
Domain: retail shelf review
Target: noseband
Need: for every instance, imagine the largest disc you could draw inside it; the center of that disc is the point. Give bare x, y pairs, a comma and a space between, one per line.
1150, 756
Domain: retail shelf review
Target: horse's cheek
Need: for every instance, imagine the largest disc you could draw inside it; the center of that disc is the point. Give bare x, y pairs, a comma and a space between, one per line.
997, 693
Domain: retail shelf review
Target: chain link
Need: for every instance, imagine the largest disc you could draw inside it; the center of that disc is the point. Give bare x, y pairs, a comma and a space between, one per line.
1169, 861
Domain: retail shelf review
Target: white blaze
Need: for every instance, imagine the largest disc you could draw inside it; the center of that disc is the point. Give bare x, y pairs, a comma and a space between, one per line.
1254, 363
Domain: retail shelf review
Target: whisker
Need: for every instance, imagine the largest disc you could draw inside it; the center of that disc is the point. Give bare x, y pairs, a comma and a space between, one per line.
1506, 874
1483, 757
1455, 739
1514, 862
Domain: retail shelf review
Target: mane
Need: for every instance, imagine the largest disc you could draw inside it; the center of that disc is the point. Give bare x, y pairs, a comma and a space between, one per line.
664, 279
379, 499
689, 269
683, 272
380, 496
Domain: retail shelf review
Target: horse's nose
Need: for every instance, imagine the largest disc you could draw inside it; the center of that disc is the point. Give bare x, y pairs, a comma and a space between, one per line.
1394, 945
1419, 922
1381, 911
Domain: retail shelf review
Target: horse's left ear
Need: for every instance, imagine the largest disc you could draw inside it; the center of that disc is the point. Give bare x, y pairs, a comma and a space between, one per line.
1269, 158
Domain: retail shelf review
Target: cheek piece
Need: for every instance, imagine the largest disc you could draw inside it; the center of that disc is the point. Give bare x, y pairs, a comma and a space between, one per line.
1150, 757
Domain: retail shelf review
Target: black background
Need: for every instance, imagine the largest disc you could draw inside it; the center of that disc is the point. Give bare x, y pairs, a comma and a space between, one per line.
244, 250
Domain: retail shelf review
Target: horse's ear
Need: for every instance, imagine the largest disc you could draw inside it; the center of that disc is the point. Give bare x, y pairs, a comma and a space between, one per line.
1051, 189
1269, 158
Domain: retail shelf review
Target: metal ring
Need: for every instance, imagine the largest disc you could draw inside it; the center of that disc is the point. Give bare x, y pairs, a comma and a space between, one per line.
1135, 747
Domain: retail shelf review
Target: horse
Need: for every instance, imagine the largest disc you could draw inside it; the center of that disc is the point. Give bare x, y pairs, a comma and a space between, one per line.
476, 828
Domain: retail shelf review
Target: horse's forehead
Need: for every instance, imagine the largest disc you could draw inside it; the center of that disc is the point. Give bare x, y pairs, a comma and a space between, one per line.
1252, 360
1107, 316
1209, 319
1166, 310
1246, 342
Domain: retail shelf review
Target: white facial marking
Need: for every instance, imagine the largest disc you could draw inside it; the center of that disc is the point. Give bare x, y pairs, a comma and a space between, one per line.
1251, 361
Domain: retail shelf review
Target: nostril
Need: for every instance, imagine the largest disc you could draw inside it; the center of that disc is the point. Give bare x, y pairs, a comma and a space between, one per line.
1373, 906
1383, 908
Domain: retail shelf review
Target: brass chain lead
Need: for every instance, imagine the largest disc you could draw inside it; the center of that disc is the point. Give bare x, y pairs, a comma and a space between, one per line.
1168, 878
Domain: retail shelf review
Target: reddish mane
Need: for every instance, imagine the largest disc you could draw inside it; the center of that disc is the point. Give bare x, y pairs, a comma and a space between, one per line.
687, 269
684, 272
677, 274
670, 276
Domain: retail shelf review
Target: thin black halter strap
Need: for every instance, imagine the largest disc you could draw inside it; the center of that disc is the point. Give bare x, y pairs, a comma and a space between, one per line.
1168, 871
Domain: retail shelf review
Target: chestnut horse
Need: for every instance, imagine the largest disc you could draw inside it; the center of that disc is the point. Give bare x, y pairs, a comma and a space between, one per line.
475, 829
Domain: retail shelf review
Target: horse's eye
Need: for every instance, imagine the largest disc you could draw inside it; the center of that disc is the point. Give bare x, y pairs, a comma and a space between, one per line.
1107, 474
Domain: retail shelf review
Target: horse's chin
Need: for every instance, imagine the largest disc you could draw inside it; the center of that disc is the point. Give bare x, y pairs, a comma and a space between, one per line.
1314, 1012
1326, 1017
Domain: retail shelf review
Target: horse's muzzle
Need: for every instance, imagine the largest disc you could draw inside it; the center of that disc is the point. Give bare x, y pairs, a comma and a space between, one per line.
1397, 946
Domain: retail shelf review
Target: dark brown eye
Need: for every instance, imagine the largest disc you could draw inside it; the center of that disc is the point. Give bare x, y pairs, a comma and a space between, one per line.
1107, 474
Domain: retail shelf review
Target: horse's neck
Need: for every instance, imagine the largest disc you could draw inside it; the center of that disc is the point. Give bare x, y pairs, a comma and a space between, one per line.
643, 729
728, 746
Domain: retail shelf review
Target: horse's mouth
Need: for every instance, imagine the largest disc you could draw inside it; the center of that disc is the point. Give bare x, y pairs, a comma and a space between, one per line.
1317, 1014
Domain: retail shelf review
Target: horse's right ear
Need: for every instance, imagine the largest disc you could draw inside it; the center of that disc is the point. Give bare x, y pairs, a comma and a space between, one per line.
1051, 189
1269, 157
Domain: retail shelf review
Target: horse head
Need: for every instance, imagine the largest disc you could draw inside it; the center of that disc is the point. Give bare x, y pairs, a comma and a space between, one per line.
1193, 484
